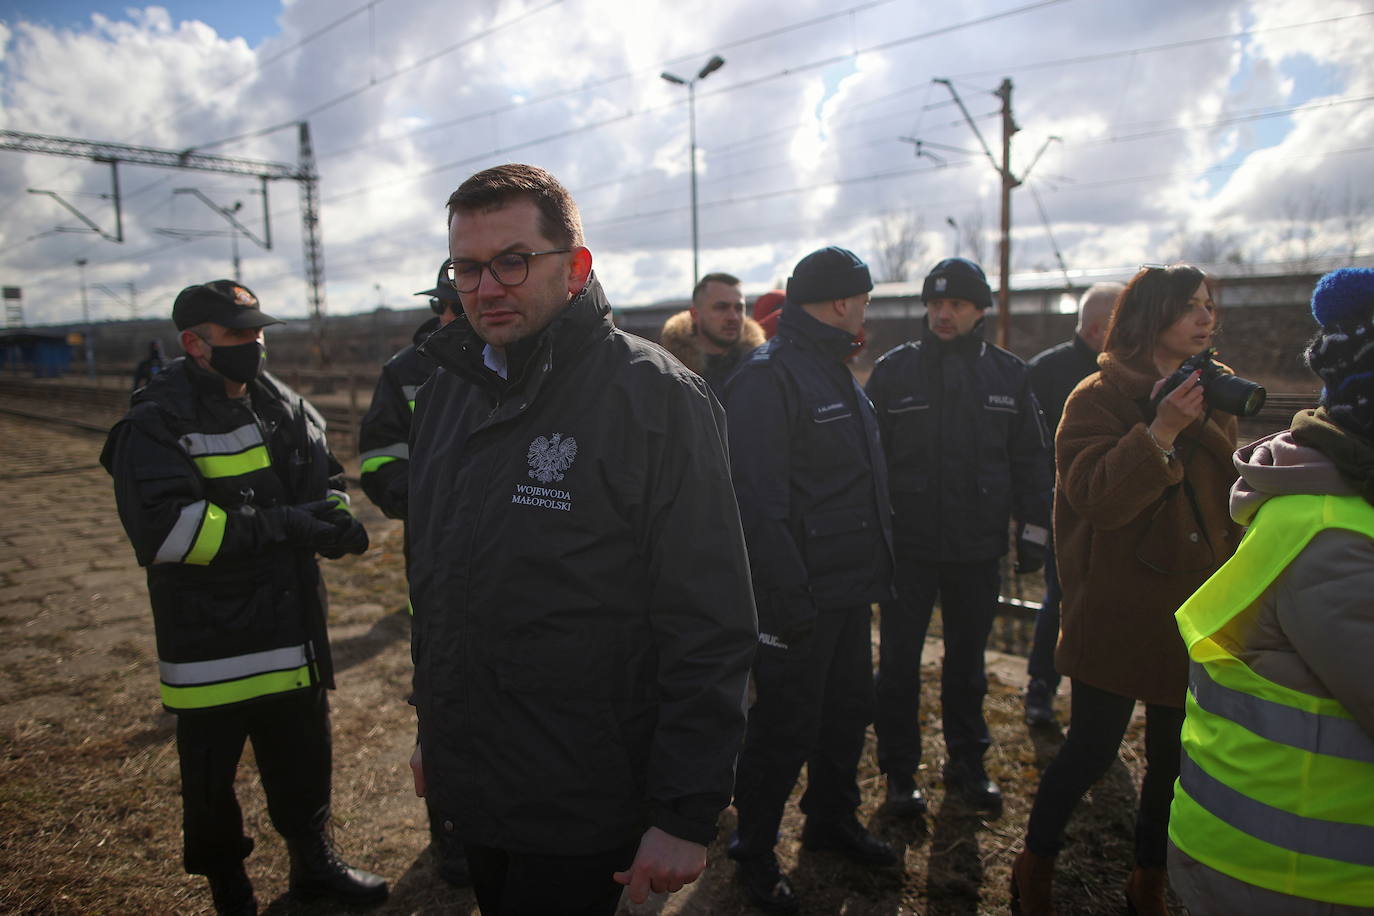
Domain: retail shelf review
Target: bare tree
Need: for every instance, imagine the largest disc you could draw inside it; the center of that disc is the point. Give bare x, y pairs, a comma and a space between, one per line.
971, 230
1208, 247
900, 243
1304, 213
1353, 213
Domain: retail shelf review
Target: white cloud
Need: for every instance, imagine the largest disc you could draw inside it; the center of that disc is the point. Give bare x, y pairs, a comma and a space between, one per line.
797, 134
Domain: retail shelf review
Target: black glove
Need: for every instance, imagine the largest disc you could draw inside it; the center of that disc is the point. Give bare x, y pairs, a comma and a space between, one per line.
787, 617
352, 538
307, 525
1030, 548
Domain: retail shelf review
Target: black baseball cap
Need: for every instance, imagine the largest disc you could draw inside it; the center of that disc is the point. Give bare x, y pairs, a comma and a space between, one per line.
443, 290
223, 302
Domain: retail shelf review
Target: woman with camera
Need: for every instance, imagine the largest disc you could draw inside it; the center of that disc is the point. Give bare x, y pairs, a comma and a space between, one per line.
1140, 521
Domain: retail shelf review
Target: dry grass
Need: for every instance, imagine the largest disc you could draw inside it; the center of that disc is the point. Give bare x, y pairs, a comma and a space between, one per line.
90, 814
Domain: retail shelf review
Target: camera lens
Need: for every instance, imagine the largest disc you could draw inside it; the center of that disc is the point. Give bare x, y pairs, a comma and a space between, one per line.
1235, 395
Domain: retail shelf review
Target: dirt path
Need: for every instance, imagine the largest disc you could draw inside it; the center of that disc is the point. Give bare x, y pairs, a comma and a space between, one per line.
89, 810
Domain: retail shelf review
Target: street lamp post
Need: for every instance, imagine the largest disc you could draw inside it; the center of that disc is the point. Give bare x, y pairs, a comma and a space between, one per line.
86, 320
955, 226
712, 65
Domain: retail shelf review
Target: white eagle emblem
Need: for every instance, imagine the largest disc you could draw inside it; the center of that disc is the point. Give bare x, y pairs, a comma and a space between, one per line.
549, 458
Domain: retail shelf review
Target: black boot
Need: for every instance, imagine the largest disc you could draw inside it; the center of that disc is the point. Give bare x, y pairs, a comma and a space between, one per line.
904, 798
1039, 704
850, 839
766, 886
970, 781
317, 871
233, 892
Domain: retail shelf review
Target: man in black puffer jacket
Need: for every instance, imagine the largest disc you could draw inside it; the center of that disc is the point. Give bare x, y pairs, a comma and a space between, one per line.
966, 452
583, 620
227, 489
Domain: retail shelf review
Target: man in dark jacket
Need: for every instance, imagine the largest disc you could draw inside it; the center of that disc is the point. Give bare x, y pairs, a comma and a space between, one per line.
384, 456
384, 434
966, 451
227, 489
809, 474
712, 336
1053, 376
583, 620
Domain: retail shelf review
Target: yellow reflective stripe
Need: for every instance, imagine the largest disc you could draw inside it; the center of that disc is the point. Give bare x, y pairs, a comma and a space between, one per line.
210, 536
374, 463
340, 499
259, 685
254, 459
1217, 844
412, 405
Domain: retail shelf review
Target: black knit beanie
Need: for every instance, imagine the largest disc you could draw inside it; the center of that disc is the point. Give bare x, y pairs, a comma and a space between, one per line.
827, 274
1342, 353
958, 278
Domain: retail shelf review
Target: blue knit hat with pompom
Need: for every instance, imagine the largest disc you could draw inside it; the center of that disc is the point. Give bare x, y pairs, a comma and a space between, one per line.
1342, 353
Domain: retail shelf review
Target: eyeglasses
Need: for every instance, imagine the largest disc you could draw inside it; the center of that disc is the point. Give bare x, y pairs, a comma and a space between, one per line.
1155, 266
510, 268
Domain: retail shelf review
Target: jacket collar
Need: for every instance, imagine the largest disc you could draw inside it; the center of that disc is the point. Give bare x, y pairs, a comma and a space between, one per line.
424, 330
1087, 353
810, 333
457, 348
970, 345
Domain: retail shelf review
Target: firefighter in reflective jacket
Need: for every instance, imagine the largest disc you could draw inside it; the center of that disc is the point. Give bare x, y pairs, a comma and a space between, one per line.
1273, 811
384, 435
227, 490
384, 453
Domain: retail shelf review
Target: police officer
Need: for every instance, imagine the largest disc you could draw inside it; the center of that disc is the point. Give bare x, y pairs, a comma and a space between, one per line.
227, 489
1054, 374
965, 451
809, 474
384, 455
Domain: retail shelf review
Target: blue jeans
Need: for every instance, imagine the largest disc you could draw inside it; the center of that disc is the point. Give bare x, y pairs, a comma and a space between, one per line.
1041, 664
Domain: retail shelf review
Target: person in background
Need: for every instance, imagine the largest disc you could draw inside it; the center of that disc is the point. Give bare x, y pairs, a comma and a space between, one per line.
227, 489
1140, 522
808, 471
1053, 375
1273, 814
149, 366
966, 453
713, 335
384, 472
767, 311
583, 619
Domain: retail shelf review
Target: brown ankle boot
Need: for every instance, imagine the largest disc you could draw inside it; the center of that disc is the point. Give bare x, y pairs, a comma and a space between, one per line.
1145, 892
1032, 885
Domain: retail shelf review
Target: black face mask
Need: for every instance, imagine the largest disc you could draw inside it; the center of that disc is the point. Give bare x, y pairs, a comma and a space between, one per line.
240, 363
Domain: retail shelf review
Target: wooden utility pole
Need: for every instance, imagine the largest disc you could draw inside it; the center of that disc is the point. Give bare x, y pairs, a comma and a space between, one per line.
1009, 181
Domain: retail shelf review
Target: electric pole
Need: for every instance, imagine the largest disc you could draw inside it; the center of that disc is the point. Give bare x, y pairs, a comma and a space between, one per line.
1009, 181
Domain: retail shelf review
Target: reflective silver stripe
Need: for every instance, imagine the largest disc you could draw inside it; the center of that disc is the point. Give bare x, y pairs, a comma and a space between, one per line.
1308, 731
182, 535
186, 674
408, 391
1353, 843
395, 450
241, 439
908, 409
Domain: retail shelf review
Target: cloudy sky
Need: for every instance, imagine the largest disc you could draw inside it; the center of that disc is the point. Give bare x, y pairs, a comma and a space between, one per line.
1224, 127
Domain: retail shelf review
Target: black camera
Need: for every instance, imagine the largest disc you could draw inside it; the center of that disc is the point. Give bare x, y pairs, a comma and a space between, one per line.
1220, 389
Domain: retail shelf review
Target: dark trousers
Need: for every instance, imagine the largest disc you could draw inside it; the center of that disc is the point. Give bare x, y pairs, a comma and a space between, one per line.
1097, 724
523, 884
968, 604
1041, 663
813, 706
290, 735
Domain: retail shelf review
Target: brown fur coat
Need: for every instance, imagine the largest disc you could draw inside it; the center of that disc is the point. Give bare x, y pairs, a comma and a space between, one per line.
679, 338
1117, 628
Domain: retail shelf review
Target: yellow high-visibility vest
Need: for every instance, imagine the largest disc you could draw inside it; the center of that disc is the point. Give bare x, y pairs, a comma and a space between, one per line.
1276, 786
